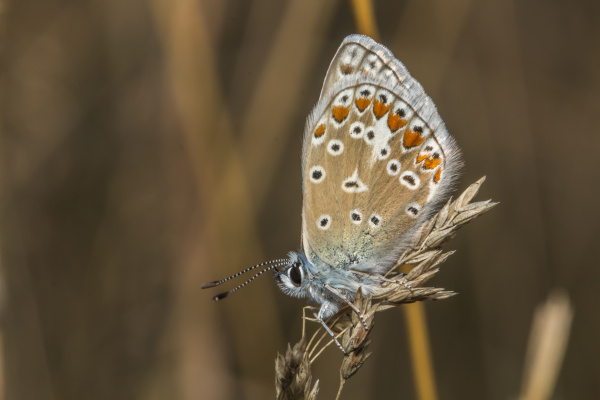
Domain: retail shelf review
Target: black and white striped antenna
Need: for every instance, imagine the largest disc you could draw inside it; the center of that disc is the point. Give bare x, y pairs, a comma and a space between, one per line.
273, 264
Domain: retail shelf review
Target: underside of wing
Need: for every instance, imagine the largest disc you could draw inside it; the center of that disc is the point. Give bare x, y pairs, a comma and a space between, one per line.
358, 56
377, 161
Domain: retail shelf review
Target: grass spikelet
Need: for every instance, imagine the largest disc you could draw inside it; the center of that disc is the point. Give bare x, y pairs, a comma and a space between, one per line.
422, 259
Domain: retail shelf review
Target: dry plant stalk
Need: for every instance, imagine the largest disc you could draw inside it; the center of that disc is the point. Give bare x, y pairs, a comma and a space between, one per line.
292, 374
425, 256
547, 345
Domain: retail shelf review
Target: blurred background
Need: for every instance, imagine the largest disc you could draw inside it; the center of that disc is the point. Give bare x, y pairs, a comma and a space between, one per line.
147, 147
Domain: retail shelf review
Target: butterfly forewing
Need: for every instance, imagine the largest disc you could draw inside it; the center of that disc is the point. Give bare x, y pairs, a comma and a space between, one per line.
358, 56
375, 153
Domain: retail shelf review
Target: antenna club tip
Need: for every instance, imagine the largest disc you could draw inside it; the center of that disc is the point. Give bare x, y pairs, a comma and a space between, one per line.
220, 296
210, 284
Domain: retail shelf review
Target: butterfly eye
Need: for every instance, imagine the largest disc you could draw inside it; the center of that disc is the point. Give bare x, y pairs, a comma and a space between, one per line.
295, 275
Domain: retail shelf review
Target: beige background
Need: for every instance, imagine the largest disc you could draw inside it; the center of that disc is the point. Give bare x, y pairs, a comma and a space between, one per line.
148, 147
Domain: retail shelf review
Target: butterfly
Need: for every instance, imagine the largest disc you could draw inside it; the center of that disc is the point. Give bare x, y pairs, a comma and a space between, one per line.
377, 162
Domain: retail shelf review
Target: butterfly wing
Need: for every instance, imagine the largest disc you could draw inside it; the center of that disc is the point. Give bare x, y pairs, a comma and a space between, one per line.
377, 161
360, 55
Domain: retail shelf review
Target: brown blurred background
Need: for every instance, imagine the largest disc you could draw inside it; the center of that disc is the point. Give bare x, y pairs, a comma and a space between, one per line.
150, 146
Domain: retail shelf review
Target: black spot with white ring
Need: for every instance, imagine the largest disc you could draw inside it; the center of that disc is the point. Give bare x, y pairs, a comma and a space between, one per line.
317, 174
357, 129
335, 147
410, 180
324, 222
375, 221
413, 210
393, 167
370, 135
384, 152
356, 217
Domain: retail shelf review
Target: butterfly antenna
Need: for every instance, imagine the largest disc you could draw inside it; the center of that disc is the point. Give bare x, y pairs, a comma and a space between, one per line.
221, 296
217, 283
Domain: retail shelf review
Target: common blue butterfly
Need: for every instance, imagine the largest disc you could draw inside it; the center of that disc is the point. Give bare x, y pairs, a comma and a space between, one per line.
377, 162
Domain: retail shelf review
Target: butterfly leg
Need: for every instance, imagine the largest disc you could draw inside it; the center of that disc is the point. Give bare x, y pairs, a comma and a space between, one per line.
352, 306
404, 282
305, 318
319, 316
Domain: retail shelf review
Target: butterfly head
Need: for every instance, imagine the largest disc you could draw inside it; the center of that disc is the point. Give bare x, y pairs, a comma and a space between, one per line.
295, 278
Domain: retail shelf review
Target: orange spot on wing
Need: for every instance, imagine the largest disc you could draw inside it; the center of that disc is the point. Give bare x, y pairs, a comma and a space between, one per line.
362, 103
379, 109
346, 69
320, 131
437, 176
412, 139
422, 157
340, 113
395, 122
432, 162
